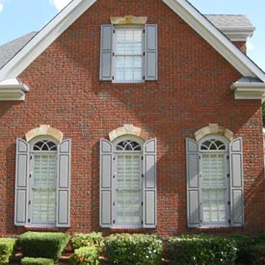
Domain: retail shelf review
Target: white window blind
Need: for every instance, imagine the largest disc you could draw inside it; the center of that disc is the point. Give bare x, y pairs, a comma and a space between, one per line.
128, 55
129, 191
44, 189
214, 189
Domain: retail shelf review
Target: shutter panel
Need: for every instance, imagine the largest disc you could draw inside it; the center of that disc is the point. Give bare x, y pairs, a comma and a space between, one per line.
149, 184
151, 58
106, 174
193, 186
106, 53
63, 183
237, 182
21, 186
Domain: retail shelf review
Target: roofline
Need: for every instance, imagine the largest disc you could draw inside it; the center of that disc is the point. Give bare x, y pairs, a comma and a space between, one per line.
215, 38
181, 7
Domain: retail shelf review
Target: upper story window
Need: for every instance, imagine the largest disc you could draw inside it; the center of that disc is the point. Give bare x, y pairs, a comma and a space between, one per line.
128, 54
128, 62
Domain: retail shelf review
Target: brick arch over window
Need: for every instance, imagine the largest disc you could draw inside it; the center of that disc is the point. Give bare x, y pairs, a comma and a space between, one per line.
214, 129
44, 130
128, 129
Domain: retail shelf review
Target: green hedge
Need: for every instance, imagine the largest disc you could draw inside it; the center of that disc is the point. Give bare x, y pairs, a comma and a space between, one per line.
125, 249
201, 250
85, 256
85, 240
44, 245
6, 249
37, 261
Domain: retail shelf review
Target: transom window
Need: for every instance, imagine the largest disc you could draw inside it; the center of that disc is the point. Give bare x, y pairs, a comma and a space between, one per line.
128, 63
214, 182
128, 191
43, 182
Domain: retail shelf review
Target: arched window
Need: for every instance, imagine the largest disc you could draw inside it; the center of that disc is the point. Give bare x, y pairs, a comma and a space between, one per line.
43, 184
128, 183
214, 181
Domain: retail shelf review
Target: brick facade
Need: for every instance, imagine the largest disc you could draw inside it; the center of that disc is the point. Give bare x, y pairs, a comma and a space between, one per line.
193, 90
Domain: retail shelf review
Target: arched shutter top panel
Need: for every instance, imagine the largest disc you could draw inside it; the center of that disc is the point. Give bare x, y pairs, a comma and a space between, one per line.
106, 175
21, 186
193, 184
64, 183
150, 184
151, 52
237, 182
106, 52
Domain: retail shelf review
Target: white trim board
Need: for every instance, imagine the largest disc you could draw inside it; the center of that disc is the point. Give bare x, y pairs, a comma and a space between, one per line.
181, 7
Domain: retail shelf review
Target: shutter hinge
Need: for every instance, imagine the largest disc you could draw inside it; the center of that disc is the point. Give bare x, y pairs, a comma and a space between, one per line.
114, 31
142, 175
142, 158
142, 203
30, 175
143, 30
31, 157
229, 221
29, 220
114, 176
144, 77
114, 158
114, 203
142, 222
29, 202
112, 77
228, 175
200, 157
143, 53
227, 157
229, 203
114, 221
113, 54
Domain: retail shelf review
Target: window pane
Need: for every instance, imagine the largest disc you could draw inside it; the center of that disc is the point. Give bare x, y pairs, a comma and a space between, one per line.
129, 55
129, 190
44, 189
214, 189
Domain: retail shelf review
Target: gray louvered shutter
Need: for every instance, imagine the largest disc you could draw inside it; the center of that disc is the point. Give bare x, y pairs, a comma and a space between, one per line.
149, 184
151, 50
237, 182
193, 183
21, 187
106, 53
64, 183
106, 174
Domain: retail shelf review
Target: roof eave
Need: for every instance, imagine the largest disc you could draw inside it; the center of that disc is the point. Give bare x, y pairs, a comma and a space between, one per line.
12, 90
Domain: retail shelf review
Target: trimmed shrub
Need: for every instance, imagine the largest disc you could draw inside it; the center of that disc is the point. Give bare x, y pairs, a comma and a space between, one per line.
85, 256
86, 240
6, 249
44, 245
201, 250
37, 261
258, 254
125, 249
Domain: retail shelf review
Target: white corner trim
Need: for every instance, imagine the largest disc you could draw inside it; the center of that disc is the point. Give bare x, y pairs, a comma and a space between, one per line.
45, 38
254, 91
12, 90
215, 38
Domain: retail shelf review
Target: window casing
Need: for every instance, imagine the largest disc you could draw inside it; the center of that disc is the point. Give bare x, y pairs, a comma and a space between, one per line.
128, 185
214, 181
43, 182
128, 65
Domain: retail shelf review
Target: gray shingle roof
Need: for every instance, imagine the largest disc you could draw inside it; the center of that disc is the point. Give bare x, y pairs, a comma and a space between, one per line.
7, 51
222, 21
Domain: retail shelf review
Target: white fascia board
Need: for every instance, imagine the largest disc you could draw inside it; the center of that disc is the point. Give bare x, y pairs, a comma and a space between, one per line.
45, 38
238, 33
215, 38
12, 90
248, 90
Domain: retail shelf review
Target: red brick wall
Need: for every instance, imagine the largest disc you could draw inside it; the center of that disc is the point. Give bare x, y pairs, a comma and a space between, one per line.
193, 90
242, 45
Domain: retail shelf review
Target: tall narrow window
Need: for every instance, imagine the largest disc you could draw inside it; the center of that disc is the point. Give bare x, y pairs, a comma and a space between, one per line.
128, 63
214, 182
129, 184
43, 182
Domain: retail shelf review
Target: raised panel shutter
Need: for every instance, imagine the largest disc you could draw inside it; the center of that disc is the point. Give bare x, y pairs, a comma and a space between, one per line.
151, 57
21, 186
106, 53
237, 182
106, 175
63, 184
149, 184
193, 184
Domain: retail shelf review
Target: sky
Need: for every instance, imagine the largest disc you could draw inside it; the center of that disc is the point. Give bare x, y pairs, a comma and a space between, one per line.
19, 17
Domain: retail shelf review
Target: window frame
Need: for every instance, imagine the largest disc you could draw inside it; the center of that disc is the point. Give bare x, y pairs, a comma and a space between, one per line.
114, 34
31, 180
226, 154
114, 185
